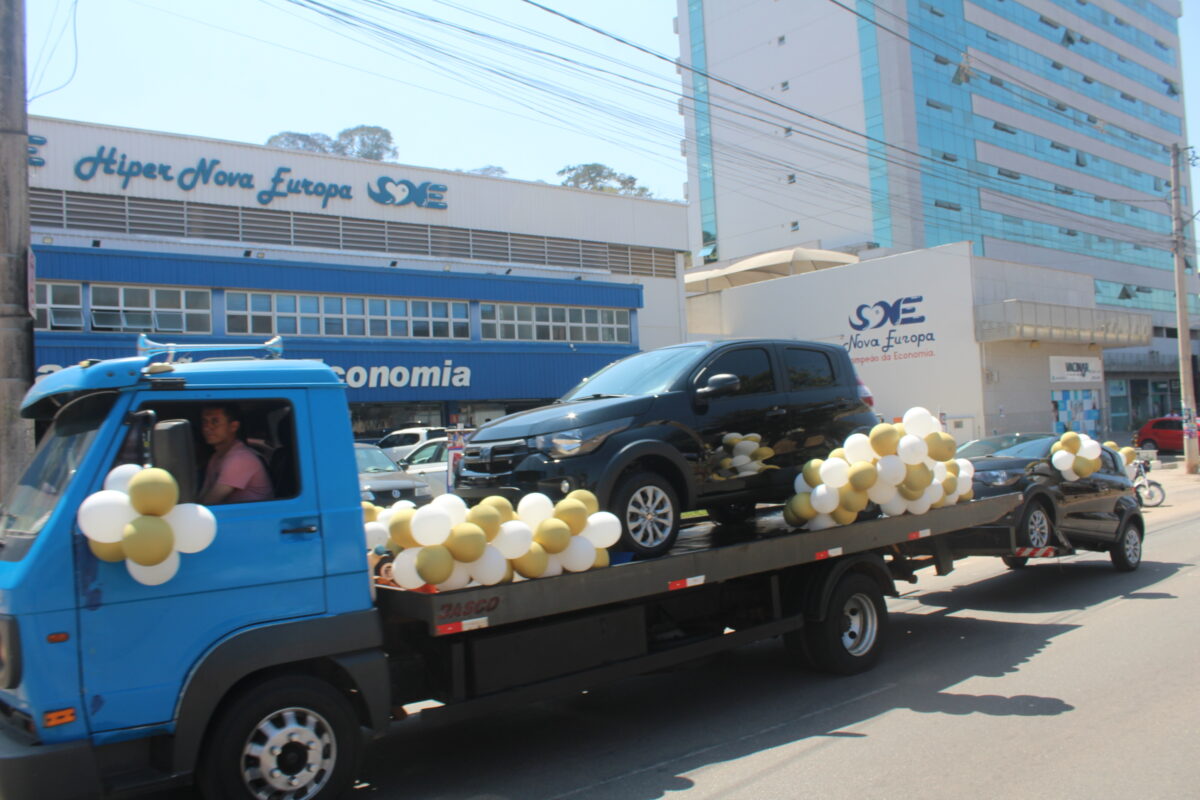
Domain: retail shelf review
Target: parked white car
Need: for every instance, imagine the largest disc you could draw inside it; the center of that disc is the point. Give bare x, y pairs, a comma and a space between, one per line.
399, 444
429, 463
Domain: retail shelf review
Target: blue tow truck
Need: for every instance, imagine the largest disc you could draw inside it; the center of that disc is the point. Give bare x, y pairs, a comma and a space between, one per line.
268, 660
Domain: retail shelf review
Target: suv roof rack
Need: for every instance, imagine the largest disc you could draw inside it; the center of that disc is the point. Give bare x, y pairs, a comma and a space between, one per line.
273, 348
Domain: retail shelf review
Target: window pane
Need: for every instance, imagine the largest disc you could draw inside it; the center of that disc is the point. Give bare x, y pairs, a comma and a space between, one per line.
356, 306
399, 328
459, 310
524, 314
591, 315
750, 364
377, 307
622, 334
237, 323
310, 326
622, 317
607, 335
42, 319
541, 314
285, 303
168, 321
543, 333
309, 304
487, 330
398, 308
462, 330
606, 316
261, 324
66, 318
558, 314
420, 327
197, 323
591, 334
524, 331
197, 301
508, 330
440, 310
39, 293
285, 324
356, 326
101, 296
168, 298
560, 333
487, 311
66, 295
378, 327
138, 320
260, 302
441, 329
333, 305
508, 313
333, 327
234, 301
137, 298
420, 308
807, 368
575, 314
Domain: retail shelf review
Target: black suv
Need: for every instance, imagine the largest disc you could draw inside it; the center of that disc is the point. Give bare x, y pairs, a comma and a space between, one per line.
715, 425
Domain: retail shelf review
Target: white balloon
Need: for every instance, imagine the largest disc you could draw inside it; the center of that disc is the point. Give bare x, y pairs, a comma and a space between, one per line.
939, 471
835, 473
891, 470
534, 508
881, 493
933, 493
965, 468
195, 527
824, 499
1063, 459
1070, 475
103, 516
744, 448
579, 556
739, 461
118, 479
730, 439
430, 525
489, 568
919, 506
929, 462
603, 529
376, 534
800, 485
460, 576
951, 499
912, 449
858, 448
515, 536
399, 504
554, 566
919, 422
1089, 449
404, 569
158, 574
820, 522
453, 505
894, 507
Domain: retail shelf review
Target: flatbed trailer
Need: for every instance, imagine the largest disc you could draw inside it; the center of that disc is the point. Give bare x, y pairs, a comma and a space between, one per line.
484, 647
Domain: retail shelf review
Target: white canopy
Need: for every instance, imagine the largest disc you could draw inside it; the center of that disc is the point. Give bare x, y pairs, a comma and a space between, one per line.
765, 266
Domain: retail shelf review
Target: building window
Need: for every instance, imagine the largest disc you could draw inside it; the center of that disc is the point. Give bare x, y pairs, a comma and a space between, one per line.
949, 157
1008, 173
795, 225
151, 309
510, 322
1060, 146
937, 104
266, 313
59, 306
946, 204
791, 178
1000, 126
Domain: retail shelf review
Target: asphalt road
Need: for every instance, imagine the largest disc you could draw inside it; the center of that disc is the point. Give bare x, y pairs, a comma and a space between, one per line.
1064, 680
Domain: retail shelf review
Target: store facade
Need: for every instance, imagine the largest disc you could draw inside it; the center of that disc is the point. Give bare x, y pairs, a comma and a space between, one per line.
441, 298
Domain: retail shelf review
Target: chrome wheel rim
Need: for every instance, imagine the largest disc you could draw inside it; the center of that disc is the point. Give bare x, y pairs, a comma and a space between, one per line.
1133, 546
650, 516
1038, 529
860, 625
289, 755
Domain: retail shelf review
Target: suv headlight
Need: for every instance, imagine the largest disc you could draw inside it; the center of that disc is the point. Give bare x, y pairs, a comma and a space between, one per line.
577, 441
998, 477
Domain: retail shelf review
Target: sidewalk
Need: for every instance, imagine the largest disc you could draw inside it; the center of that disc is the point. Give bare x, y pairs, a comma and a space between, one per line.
1183, 494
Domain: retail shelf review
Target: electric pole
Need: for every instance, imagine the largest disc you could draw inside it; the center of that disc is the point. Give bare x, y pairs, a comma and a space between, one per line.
16, 325
1191, 455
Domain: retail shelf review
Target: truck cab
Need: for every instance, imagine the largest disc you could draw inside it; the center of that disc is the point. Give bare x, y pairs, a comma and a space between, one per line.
109, 681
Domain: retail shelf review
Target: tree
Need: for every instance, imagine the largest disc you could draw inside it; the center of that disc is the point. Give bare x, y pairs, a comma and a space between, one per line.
491, 170
362, 141
601, 178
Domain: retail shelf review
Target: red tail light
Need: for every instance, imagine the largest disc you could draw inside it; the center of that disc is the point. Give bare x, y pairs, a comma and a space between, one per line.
864, 393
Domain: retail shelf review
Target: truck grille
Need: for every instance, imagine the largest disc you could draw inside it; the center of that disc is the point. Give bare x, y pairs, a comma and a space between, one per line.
493, 458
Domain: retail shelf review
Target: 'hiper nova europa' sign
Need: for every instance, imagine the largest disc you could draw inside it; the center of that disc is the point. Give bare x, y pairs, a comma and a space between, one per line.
890, 330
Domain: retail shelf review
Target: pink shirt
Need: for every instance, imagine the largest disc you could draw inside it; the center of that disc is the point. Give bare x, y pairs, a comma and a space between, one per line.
242, 469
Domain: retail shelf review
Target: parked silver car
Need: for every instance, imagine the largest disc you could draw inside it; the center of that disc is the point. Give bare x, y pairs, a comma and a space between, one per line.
383, 483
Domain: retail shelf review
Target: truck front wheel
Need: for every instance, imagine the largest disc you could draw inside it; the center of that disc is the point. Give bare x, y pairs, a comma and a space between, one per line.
649, 512
292, 738
850, 638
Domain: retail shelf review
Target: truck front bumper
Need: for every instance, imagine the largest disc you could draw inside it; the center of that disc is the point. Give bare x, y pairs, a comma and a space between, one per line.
47, 772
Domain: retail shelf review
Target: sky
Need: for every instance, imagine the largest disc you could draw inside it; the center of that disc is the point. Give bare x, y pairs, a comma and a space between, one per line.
242, 70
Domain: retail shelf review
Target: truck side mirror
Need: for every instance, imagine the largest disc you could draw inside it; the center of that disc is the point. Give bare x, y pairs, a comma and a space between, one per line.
173, 449
718, 385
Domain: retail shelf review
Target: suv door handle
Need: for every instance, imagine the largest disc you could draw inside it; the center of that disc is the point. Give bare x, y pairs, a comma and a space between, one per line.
301, 529
775, 412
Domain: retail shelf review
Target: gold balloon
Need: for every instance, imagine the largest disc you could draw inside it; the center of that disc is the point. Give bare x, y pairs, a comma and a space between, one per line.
908, 492
725, 463
918, 476
762, 454
553, 535
508, 572
968, 494
838, 452
842, 516
1054, 448
533, 563
370, 511
111, 552
467, 542
952, 467
1084, 467
941, 446
899, 426
752, 437
400, 528
1129, 454
153, 492
852, 499
1112, 445
502, 505
950, 484
572, 512
801, 507
435, 564
789, 516
148, 540
602, 559
487, 518
1071, 442
884, 439
812, 472
589, 500
941, 501
863, 475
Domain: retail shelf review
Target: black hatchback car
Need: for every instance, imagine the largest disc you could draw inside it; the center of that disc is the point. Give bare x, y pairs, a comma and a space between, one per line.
715, 425
1099, 512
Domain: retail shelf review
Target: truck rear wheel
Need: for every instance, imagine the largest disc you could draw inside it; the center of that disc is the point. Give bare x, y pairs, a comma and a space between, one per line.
850, 638
649, 511
289, 738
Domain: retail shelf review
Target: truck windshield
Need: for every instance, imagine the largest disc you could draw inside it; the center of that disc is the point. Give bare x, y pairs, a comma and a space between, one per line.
54, 464
651, 372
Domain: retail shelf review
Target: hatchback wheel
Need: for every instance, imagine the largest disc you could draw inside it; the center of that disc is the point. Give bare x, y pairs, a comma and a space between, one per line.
649, 512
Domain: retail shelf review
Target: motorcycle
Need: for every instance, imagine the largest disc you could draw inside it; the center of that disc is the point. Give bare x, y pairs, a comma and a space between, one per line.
1149, 493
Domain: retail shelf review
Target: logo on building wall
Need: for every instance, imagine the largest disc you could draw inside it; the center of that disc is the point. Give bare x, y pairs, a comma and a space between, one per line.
871, 343
1065, 369
902, 311
399, 192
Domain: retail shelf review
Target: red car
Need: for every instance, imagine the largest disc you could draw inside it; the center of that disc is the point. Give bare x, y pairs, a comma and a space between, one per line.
1161, 433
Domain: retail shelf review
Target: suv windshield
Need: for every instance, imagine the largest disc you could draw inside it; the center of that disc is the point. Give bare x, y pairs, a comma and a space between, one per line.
644, 373
1037, 448
54, 464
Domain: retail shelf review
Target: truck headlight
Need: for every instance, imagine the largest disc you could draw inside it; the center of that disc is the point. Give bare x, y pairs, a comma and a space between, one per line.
577, 441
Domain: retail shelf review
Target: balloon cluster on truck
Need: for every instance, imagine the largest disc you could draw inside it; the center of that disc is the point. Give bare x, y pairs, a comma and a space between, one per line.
446, 545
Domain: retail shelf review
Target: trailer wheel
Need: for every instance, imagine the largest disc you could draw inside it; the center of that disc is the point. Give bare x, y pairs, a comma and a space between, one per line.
1036, 528
1014, 562
292, 738
850, 638
649, 513
1126, 553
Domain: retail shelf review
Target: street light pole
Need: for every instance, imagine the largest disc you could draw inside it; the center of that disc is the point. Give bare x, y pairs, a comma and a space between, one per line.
1191, 454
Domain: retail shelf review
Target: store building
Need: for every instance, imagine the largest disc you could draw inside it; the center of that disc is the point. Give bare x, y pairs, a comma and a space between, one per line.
441, 297
1039, 130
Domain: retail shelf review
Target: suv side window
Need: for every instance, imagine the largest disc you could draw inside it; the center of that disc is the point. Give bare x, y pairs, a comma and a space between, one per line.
806, 368
1168, 425
1108, 463
751, 364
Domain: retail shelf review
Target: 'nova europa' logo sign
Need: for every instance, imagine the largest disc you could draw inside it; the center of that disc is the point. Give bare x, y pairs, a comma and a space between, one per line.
900, 312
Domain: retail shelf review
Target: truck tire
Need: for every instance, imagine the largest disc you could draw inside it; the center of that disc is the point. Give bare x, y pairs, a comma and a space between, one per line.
1036, 528
1015, 562
291, 737
1126, 553
649, 511
731, 513
850, 639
